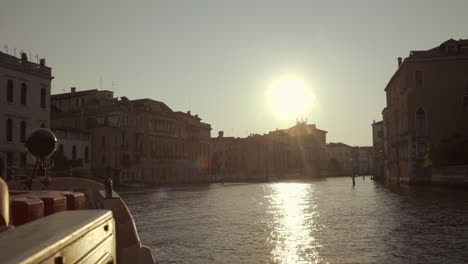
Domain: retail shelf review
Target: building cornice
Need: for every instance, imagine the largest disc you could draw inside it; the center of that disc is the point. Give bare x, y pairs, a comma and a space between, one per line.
12, 63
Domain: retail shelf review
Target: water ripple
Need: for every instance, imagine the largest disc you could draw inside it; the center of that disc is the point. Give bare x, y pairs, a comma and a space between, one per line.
324, 221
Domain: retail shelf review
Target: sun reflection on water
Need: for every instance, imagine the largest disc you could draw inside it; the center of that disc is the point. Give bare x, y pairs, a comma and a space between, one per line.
293, 225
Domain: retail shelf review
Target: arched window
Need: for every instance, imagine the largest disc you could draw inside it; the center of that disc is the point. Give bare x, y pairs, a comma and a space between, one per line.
9, 130
86, 154
74, 153
24, 93
23, 131
421, 122
10, 91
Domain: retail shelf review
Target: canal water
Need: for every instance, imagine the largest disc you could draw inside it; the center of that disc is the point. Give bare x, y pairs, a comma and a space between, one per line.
323, 221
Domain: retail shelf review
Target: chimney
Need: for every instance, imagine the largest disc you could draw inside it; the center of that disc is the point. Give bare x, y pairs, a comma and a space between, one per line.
42, 62
24, 56
189, 113
221, 134
73, 90
399, 61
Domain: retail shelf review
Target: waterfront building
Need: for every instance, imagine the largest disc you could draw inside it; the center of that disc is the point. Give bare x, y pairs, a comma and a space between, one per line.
365, 158
197, 146
77, 100
24, 106
379, 154
342, 154
219, 155
299, 151
427, 102
138, 141
75, 146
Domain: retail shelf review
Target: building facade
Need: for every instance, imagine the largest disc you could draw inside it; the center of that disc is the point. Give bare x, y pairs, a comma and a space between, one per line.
137, 141
379, 152
343, 155
75, 146
427, 101
365, 158
297, 152
24, 106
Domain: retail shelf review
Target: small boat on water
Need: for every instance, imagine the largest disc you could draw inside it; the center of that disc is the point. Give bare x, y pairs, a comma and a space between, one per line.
65, 220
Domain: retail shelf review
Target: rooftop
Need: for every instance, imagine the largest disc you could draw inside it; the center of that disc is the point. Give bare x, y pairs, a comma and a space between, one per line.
450, 49
23, 65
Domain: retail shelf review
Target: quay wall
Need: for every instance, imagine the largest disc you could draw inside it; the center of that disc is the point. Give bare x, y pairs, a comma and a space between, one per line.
451, 175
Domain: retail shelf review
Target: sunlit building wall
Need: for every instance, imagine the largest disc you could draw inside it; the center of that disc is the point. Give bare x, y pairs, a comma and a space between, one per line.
427, 101
138, 141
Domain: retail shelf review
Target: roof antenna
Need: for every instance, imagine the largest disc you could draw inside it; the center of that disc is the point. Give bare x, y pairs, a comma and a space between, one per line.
14, 52
100, 82
6, 48
114, 87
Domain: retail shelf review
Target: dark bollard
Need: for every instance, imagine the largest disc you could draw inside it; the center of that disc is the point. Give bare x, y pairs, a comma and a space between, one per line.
108, 187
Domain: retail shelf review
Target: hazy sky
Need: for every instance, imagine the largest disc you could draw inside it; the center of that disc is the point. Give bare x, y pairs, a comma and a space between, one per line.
219, 58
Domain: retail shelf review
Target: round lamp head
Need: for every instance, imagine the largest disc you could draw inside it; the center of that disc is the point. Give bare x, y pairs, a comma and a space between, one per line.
42, 143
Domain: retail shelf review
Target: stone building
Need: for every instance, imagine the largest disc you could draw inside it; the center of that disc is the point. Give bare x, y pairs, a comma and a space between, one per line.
77, 100
219, 156
298, 152
24, 106
427, 101
365, 159
379, 152
138, 141
75, 145
343, 155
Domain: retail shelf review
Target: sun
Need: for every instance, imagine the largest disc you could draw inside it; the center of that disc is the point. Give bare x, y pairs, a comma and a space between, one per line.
289, 97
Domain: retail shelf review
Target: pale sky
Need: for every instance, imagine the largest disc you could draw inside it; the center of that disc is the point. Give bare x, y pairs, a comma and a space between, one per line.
219, 58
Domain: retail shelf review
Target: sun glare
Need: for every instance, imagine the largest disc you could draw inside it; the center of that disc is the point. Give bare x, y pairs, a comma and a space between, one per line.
289, 97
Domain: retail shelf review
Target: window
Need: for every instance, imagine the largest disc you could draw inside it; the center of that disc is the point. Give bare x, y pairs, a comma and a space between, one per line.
23, 131
86, 154
103, 141
76, 101
24, 93
42, 125
74, 153
421, 124
82, 101
10, 91
419, 77
43, 98
9, 130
